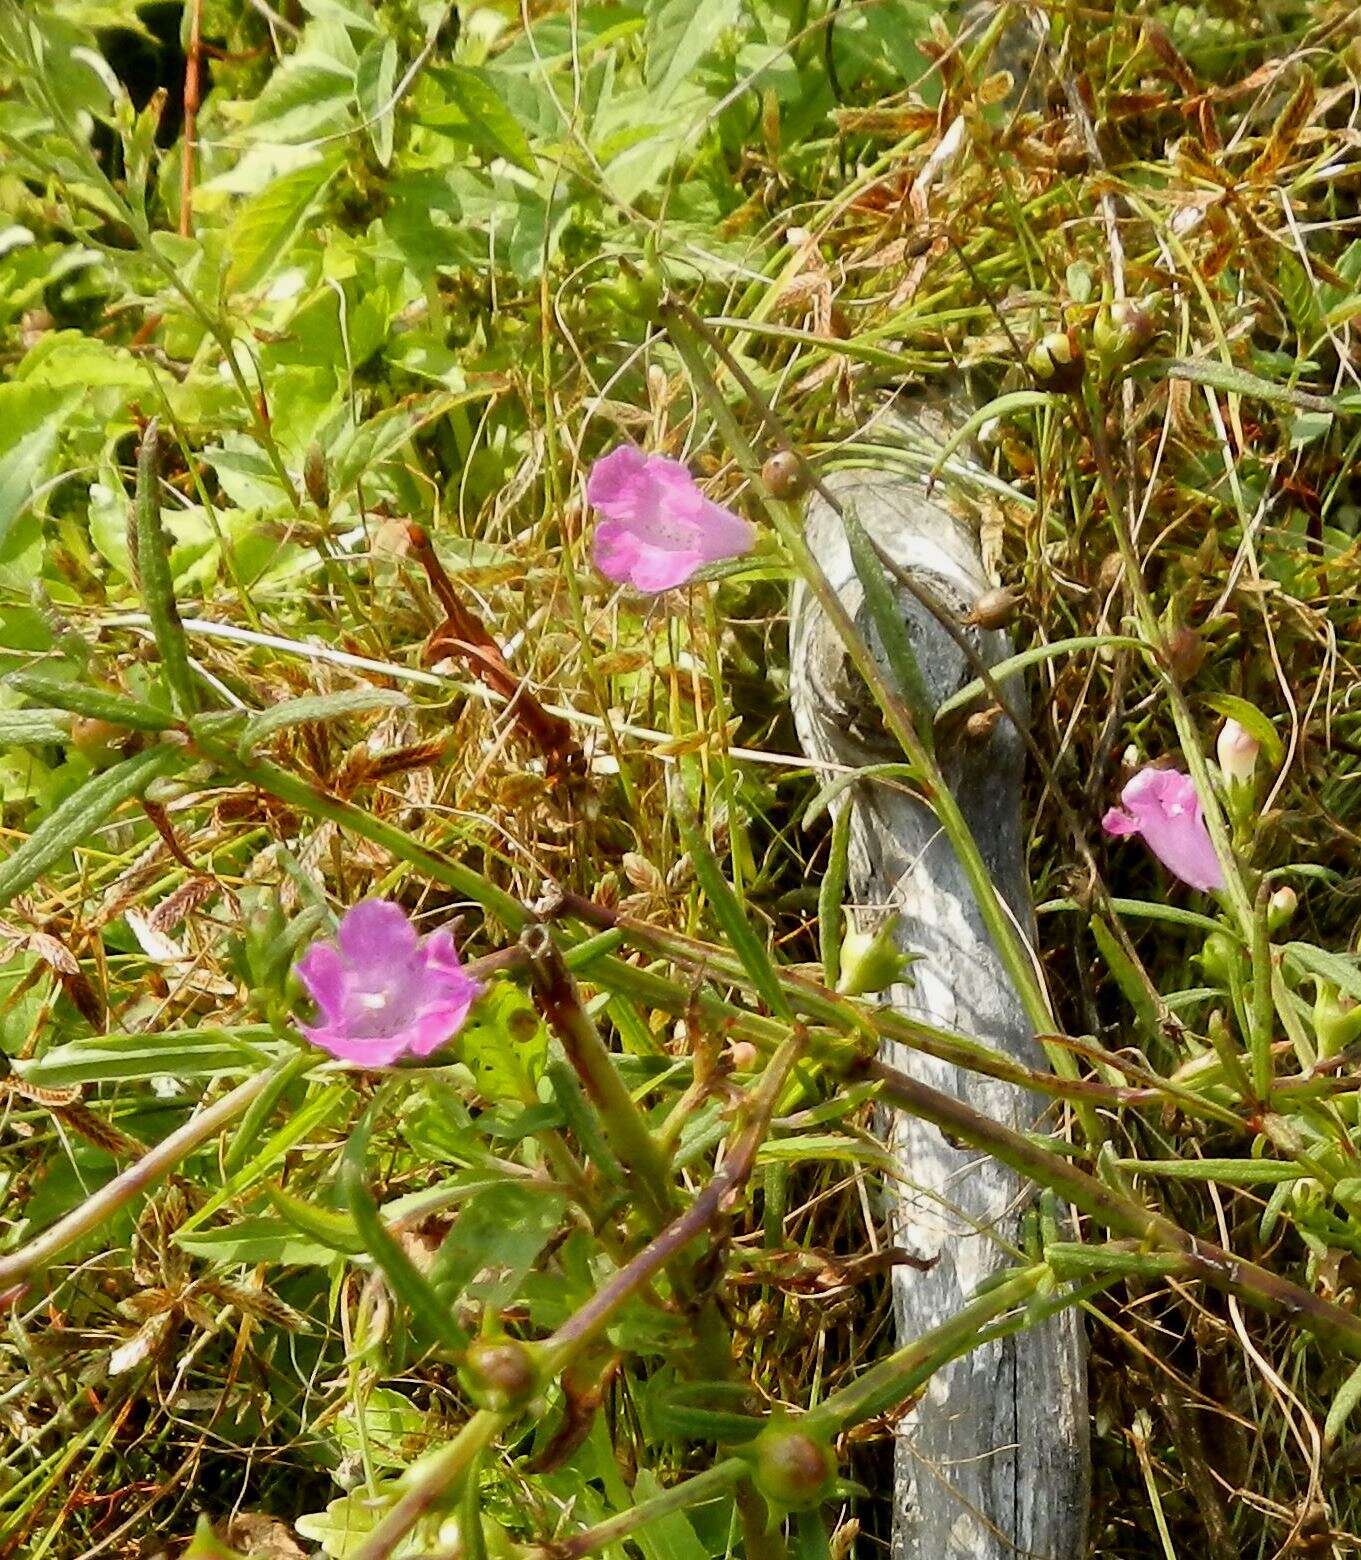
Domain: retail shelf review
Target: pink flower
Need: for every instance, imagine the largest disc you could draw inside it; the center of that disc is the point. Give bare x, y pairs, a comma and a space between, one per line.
381, 992
658, 528
1162, 805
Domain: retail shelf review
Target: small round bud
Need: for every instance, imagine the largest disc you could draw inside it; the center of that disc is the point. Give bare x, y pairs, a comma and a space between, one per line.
1056, 362
993, 609
982, 723
95, 739
499, 1374
1185, 653
1122, 331
744, 1056
1237, 751
871, 961
1280, 908
783, 476
793, 1470
314, 477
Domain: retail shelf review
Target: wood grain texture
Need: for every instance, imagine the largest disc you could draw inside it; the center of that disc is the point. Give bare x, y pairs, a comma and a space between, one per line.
994, 1461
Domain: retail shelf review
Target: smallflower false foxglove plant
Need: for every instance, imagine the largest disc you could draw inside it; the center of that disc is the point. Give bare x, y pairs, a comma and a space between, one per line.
1162, 806
381, 991
658, 530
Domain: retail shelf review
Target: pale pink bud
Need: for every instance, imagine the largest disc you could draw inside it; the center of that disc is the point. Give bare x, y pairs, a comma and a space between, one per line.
1237, 750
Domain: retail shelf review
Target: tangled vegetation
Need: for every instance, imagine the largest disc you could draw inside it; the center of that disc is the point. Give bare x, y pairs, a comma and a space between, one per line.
314, 317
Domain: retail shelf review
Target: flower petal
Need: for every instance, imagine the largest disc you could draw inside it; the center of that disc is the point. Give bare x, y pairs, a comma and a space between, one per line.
1164, 808
376, 932
623, 556
723, 534
348, 1048
1118, 821
617, 484
322, 971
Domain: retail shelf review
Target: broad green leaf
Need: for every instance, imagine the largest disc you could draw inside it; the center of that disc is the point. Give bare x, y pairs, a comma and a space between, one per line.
499, 1234
321, 707
393, 1427
260, 1239
1344, 973
679, 34
374, 83
479, 113
504, 1044
30, 420
345, 1523
75, 820
269, 222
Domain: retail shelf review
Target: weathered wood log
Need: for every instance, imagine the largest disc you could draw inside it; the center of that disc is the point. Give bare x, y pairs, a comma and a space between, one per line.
993, 1463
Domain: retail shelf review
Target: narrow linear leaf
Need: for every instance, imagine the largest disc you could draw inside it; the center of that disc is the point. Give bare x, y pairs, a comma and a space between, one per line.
732, 918
1238, 381
76, 819
326, 1225
408, 1285
326, 706
154, 576
889, 624
1348, 1396
1229, 1172
20, 728
95, 703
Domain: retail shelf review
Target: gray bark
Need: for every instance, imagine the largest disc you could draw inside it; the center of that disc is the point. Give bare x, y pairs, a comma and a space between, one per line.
994, 1460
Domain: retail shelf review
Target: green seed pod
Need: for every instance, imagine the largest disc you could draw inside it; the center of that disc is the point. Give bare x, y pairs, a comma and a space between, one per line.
871, 961
499, 1374
794, 1470
1056, 362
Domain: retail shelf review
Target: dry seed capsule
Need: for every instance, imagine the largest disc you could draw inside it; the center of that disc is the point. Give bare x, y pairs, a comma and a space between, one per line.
993, 609
783, 476
1056, 362
499, 1374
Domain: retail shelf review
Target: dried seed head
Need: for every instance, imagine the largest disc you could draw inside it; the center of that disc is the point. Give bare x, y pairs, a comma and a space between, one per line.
1185, 653
314, 477
982, 723
993, 609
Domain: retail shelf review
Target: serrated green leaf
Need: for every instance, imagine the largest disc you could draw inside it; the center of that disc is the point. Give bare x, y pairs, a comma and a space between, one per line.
268, 223
504, 1044
481, 114
76, 819
318, 707
375, 78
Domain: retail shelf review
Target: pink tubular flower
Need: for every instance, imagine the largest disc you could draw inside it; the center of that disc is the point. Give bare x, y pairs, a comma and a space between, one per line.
380, 991
658, 528
1162, 805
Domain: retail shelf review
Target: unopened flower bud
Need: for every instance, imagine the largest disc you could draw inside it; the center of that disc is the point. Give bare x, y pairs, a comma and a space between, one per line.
1056, 362
871, 961
1237, 750
499, 1374
794, 1470
314, 477
784, 476
1337, 1020
1122, 331
1280, 908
